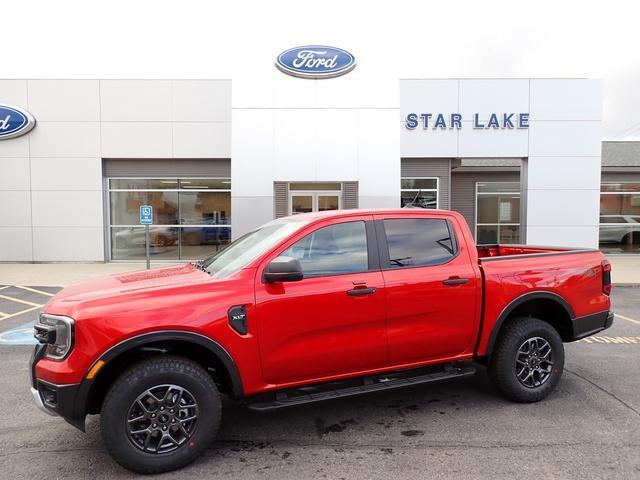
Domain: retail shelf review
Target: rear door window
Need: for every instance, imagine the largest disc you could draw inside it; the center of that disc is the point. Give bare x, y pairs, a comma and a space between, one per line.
415, 242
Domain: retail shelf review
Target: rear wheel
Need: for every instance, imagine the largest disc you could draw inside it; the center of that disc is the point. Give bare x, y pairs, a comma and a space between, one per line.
528, 360
160, 415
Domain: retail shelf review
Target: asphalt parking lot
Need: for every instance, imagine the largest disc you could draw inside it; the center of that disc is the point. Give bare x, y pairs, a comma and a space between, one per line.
588, 428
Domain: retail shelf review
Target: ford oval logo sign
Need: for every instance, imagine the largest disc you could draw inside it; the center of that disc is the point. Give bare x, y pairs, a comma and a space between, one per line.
14, 122
315, 61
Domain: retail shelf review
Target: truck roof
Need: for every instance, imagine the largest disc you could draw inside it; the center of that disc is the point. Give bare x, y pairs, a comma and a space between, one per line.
369, 211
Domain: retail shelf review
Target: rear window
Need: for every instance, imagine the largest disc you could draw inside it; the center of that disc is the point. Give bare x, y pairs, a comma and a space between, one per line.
415, 242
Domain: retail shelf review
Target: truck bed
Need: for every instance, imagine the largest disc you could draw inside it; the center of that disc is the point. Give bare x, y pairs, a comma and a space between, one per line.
496, 251
511, 271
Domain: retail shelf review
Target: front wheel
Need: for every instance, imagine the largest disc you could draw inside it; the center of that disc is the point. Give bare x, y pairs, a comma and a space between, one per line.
528, 360
160, 414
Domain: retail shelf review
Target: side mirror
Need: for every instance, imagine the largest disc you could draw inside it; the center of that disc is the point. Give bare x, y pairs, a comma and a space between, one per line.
283, 269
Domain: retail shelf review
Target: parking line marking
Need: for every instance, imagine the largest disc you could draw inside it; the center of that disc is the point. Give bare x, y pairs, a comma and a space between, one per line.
612, 340
21, 312
35, 290
2, 315
627, 318
6, 286
20, 301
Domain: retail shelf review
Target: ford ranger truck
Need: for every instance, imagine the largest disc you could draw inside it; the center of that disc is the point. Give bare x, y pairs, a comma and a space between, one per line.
308, 308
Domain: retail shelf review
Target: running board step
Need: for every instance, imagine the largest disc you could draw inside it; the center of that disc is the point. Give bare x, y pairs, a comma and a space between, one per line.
368, 384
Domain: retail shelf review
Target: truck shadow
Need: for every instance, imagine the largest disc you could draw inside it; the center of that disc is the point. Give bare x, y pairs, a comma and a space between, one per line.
382, 423
405, 412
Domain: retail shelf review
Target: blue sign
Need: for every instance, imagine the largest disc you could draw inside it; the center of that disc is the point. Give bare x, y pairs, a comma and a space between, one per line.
435, 121
146, 215
315, 61
14, 122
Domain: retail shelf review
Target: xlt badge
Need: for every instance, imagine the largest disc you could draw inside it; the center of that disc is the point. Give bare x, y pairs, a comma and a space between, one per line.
238, 319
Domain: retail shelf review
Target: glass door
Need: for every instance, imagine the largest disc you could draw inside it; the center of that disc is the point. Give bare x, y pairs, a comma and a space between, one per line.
327, 201
301, 203
308, 201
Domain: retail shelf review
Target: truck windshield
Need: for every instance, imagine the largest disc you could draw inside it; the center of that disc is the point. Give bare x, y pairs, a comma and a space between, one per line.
249, 247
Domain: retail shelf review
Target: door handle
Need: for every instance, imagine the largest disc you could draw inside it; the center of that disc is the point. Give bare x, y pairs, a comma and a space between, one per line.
356, 292
455, 281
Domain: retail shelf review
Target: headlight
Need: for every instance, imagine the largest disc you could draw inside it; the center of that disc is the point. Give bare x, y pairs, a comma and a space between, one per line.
57, 332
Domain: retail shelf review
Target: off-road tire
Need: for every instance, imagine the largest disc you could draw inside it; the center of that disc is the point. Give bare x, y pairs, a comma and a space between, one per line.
503, 366
144, 375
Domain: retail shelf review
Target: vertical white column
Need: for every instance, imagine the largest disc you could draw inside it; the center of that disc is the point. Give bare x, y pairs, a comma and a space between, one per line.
561, 178
379, 158
299, 130
252, 158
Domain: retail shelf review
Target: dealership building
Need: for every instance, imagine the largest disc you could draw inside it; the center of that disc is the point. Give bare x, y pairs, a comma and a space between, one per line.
522, 159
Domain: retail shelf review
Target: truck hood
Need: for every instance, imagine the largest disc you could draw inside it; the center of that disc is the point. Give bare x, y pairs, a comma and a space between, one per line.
120, 285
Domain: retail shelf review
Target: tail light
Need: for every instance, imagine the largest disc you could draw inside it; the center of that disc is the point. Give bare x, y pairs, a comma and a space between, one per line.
606, 277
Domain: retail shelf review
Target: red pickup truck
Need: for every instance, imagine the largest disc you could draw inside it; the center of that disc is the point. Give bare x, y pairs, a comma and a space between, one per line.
308, 308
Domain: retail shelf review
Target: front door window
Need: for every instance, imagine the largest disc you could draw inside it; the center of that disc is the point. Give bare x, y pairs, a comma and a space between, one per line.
332, 250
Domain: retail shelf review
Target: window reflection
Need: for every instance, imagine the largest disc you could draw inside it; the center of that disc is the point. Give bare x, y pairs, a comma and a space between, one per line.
620, 217
191, 217
419, 192
418, 242
419, 199
125, 207
128, 243
205, 208
332, 250
497, 212
201, 242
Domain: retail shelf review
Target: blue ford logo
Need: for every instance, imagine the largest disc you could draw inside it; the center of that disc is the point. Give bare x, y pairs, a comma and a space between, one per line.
14, 122
315, 61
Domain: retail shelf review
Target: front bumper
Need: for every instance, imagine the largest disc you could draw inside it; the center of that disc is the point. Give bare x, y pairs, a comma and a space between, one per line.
591, 324
52, 399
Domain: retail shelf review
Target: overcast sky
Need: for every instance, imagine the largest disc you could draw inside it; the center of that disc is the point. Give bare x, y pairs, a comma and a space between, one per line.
212, 39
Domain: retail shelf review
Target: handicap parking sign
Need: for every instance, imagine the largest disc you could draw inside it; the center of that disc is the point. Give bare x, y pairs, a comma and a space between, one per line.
146, 215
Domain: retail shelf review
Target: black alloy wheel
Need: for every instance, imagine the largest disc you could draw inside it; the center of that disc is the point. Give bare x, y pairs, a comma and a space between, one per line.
162, 418
160, 414
528, 360
534, 362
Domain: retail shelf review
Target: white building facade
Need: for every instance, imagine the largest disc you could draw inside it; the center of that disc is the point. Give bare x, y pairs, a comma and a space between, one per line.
520, 158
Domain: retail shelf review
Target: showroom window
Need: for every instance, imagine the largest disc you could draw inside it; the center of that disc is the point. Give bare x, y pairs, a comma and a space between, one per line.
420, 191
191, 217
620, 217
497, 212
